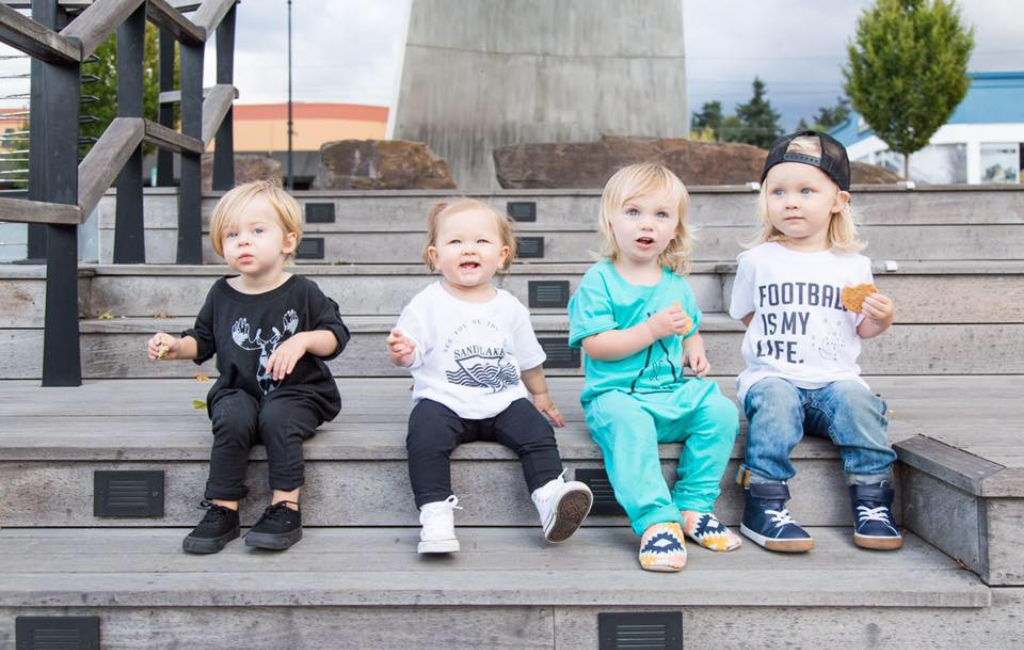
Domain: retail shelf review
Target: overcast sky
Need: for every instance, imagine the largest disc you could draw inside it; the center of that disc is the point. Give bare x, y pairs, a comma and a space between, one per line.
350, 50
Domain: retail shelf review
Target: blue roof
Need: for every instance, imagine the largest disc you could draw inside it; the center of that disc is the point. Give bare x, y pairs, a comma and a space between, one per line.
993, 98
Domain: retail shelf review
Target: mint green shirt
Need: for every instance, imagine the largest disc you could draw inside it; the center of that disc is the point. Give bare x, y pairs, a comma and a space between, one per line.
606, 301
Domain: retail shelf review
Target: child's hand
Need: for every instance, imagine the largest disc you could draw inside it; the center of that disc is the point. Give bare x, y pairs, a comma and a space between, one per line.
163, 346
282, 362
698, 362
401, 349
546, 405
879, 308
669, 321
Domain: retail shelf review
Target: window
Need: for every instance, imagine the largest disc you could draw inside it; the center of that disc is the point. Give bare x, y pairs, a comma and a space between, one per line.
1000, 162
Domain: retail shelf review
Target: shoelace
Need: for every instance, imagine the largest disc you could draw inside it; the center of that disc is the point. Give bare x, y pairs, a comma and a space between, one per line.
214, 512
277, 512
780, 517
873, 514
551, 488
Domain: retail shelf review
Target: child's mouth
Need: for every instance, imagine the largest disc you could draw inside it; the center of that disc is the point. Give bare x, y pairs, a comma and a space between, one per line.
469, 265
644, 241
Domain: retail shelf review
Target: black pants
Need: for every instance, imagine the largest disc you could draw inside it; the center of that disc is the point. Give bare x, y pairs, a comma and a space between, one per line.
435, 431
281, 421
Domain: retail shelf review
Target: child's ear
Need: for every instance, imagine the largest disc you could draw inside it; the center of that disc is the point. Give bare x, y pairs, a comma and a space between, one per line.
432, 256
841, 201
503, 256
291, 242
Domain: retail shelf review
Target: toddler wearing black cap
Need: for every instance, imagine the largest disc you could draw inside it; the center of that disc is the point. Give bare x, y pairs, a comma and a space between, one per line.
802, 344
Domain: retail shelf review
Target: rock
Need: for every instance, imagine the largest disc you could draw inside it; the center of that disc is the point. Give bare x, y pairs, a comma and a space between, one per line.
247, 168
380, 165
588, 165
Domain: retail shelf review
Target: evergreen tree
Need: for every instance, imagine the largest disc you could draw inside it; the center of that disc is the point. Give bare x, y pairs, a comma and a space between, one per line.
907, 70
758, 121
709, 118
100, 96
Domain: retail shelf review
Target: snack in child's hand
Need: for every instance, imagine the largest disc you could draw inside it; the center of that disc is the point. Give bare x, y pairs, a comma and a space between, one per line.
689, 321
853, 297
162, 350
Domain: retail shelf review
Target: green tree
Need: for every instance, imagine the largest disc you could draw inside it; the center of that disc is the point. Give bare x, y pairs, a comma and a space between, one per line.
709, 118
100, 96
828, 116
758, 123
907, 70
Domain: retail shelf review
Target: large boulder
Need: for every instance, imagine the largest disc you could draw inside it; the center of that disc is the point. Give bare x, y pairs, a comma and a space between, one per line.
247, 168
588, 165
381, 165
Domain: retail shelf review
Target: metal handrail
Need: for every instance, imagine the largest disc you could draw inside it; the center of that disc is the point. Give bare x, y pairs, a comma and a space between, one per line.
63, 192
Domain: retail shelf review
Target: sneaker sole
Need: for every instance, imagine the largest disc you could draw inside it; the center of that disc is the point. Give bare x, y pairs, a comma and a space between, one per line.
572, 509
208, 545
778, 545
444, 546
272, 541
878, 543
663, 568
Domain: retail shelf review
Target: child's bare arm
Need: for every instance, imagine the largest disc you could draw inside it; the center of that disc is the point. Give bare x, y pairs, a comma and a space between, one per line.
879, 313
163, 347
401, 349
746, 319
535, 382
613, 345
695, 355
286, 356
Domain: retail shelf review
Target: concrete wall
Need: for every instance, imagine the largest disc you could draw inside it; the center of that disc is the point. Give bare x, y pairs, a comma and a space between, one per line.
483, 73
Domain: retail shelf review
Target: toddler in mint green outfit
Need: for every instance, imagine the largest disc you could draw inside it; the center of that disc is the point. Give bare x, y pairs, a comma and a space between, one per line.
637, 319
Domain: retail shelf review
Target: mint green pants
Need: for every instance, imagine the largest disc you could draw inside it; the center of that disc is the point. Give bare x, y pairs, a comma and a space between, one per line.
628, 428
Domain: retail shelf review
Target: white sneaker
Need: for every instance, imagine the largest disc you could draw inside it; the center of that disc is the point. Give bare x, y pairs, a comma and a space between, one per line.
562, 507
438, 533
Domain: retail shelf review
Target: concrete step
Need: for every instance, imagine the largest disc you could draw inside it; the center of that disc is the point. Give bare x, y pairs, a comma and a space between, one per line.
970, 292
55, 439
367, 588
967, 504
895, 222
356, 471
115, 349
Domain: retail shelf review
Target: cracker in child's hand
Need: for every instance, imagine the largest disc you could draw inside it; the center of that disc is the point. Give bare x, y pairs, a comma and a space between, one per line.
689, 321
162, 350
853, 297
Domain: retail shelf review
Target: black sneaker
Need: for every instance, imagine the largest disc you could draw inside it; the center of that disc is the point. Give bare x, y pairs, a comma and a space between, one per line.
277, 529
218, 527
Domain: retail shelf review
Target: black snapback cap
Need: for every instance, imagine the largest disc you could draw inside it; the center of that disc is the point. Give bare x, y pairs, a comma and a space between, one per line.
833, 161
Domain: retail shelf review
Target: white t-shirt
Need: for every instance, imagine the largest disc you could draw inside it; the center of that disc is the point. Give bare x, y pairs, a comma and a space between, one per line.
469, 355
800, 330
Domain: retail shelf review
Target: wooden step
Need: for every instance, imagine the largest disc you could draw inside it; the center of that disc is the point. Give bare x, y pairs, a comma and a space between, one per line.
496, 567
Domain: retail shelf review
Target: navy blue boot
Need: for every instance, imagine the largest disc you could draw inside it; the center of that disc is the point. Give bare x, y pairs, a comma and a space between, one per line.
767, 522
873, 523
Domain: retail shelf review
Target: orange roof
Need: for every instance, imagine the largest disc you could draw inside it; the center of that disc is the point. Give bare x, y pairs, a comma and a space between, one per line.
302, 111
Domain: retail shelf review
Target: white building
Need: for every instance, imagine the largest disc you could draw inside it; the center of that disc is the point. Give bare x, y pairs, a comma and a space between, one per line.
983, 142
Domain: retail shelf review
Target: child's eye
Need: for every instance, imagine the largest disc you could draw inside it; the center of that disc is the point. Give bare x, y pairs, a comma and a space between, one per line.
662, 215
632, 212
230, 235
483, 241
777, 192
455, 241
258, 230
806, 190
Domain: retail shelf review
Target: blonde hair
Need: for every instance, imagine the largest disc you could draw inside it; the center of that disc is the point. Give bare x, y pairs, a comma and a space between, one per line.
842, 229
231, 205
647, 179
445, 209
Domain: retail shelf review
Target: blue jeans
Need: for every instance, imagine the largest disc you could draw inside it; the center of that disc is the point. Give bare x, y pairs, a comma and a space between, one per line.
854, 419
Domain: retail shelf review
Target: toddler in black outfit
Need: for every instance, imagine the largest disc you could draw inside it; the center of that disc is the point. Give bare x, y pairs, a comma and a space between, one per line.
272, 332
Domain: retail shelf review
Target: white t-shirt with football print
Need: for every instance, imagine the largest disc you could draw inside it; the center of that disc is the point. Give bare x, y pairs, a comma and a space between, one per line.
800, 330
470, 355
